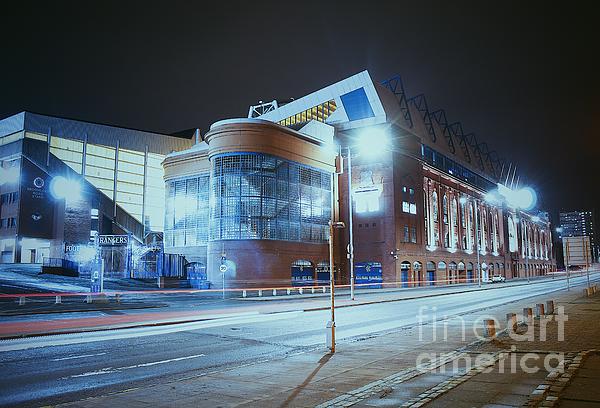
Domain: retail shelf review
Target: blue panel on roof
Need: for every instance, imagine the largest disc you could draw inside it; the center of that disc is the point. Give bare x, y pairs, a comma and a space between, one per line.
357, 104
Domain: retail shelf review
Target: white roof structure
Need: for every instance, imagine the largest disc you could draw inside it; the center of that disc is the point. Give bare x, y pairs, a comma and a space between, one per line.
357, 102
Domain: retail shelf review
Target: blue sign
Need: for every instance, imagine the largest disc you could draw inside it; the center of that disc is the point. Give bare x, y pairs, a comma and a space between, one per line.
303, 275
368, 273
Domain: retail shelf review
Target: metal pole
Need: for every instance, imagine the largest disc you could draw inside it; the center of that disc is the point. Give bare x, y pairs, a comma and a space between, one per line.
331, 266
526, 253
351, 235
477, 243
587, 265
567, 265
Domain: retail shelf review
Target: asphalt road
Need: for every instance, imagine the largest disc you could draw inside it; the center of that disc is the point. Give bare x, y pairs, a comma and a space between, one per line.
53, 369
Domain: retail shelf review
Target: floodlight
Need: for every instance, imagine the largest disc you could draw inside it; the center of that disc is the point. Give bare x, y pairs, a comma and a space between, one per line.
65, 188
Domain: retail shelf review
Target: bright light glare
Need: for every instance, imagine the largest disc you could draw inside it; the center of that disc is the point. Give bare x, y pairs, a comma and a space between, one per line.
491, 197
373, 142
535, 218
69, 189
463, 200
9, 175
524, 198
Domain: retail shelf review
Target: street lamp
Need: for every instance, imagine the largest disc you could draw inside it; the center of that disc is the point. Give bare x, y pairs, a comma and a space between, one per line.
523, 199
65, 188
370, 144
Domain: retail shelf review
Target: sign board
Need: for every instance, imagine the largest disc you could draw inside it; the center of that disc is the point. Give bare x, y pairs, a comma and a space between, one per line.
113, 240
223, 268
36, 208
577, 250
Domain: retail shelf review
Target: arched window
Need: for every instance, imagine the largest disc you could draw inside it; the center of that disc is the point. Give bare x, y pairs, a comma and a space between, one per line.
445, 209
446, 231
426, 216
495, 231
471, 233
435, 225
512, 235
482, 229
454, 209
434, 205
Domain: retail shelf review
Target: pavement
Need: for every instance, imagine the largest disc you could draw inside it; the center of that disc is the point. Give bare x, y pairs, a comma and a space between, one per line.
383, 358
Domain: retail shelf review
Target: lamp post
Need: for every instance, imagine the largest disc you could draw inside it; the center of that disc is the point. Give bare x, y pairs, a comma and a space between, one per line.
350, 232
369, 139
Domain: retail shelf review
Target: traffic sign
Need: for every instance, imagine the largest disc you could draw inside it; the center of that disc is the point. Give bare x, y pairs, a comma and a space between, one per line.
223, 268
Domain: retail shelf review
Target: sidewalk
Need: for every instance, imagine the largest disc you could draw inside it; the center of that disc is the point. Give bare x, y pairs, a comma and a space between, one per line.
380, 370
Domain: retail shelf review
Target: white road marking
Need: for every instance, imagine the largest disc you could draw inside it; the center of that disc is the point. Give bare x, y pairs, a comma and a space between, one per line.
74, 357
109, 370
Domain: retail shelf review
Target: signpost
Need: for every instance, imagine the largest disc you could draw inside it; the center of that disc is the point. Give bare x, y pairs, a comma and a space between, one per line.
223, 269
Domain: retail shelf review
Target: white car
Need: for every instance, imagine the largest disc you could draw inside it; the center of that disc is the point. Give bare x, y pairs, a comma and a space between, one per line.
498, 278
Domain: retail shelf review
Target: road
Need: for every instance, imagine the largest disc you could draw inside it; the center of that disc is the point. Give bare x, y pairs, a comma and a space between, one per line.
52, 369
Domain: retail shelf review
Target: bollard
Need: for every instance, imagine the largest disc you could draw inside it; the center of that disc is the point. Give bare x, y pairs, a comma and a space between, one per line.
511, 322
324, 289
527, 315
539, 310
244, 293
288, 291
274, 292
260, 292
300, 291
21, 300
88, 299
594, 289
550, 307
118, 297
586, 292
57, 300
312, 290
489, 328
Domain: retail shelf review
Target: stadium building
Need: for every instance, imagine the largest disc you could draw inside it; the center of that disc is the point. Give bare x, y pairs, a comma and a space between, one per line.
63, 181
429, 202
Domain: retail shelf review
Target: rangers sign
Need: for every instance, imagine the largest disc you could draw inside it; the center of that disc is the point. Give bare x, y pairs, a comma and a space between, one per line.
113, 240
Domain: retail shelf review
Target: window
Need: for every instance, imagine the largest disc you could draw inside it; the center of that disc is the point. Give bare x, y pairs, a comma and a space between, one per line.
413, 208
259, 196
319, 113
406, 233
445, 209
357, 104
187, 211
405, 207
413, 235
434, 204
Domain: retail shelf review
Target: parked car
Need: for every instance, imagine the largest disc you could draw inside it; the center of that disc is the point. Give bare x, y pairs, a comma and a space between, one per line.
498, 278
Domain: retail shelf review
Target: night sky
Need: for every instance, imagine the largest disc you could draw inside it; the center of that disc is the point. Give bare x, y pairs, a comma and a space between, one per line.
524, 80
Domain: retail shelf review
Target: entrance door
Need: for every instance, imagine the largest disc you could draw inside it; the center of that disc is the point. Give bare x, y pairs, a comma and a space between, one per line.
32, 256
